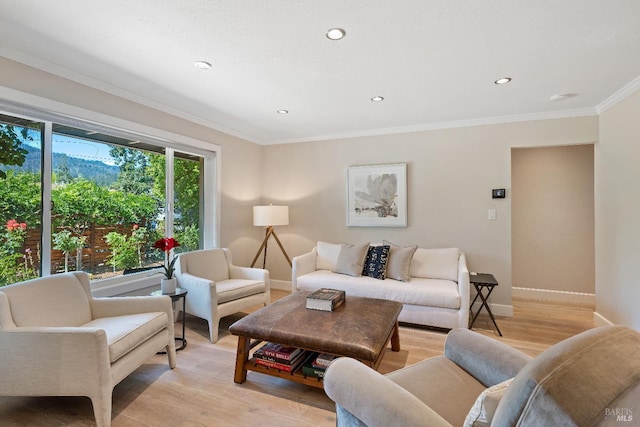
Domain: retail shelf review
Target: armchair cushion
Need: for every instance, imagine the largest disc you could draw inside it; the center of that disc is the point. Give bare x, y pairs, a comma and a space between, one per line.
233, 289
124, 333
207, 264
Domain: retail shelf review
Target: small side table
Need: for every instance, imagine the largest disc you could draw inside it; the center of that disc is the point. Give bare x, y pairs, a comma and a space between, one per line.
179, 293
482, 281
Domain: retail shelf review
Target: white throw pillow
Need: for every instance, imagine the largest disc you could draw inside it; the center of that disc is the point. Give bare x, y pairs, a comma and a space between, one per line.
399, 262
484, 408
351, 259
327, 255
435, 264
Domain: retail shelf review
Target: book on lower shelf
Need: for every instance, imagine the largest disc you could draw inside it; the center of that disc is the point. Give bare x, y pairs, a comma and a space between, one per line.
316, 365
325, 299
278, 356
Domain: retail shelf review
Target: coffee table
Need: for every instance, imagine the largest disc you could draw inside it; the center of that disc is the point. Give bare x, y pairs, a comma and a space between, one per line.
360, 328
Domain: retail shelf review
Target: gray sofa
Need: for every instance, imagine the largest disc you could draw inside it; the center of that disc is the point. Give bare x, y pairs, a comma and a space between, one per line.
590, 379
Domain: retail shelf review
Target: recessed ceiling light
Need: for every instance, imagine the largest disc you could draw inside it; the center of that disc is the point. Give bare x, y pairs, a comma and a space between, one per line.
336, 33
377, 99
562, 96
203, 65
503, 80
283, 111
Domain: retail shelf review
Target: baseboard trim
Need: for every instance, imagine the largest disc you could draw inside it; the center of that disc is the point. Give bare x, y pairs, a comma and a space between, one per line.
283, 285
551, 295
600, 320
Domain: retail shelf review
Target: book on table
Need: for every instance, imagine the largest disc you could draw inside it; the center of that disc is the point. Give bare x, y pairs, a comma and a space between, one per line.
286, 365
279, 352
325, 299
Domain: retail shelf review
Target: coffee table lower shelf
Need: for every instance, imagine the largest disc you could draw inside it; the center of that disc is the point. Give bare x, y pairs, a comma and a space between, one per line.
296, 375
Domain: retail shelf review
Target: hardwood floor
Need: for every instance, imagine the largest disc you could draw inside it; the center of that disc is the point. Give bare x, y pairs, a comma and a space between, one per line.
201, 391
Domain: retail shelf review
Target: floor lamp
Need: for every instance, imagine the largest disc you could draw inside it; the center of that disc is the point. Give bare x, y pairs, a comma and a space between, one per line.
270, 216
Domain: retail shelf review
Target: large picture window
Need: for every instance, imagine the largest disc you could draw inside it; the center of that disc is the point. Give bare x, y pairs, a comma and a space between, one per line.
110, 196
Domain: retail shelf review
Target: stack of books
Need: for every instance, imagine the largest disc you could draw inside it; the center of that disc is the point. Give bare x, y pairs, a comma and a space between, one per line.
279, 356
325, 299
316, 365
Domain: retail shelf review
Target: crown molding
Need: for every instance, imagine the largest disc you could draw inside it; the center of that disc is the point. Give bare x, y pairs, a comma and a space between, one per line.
632, 87
583, 112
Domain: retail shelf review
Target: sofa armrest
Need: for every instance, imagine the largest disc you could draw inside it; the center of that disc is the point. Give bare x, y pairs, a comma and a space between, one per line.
302, 264
64, 361
486, 359
464, 290
375, 399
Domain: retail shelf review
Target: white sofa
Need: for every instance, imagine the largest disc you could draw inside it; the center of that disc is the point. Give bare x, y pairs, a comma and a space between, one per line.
436, 293
56, 339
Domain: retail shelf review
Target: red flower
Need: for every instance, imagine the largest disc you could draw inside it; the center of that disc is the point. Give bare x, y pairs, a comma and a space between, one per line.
12, 224
166, 244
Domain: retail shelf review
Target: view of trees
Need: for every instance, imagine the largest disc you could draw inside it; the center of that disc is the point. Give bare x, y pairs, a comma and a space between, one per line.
130, 205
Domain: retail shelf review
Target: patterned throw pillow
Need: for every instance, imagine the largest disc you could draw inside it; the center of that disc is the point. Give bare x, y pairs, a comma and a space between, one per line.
375, 265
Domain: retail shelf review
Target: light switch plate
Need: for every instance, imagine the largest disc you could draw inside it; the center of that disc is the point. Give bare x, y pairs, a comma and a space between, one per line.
492, 214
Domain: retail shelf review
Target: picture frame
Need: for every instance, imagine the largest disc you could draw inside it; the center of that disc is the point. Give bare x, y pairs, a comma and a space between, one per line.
377, 195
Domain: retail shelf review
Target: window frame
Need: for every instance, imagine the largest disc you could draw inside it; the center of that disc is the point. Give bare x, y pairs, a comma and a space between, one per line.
171, 142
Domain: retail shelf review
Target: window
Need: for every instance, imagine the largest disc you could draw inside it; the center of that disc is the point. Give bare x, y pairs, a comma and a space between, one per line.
108, 193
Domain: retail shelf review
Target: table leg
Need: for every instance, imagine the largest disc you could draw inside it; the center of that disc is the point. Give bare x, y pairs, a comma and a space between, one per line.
395, 338
485, 304
242, 358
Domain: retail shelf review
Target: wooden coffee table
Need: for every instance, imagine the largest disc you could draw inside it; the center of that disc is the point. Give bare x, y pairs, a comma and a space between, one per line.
361, 328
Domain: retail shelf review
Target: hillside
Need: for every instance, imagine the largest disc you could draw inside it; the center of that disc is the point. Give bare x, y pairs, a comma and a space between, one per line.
66, 167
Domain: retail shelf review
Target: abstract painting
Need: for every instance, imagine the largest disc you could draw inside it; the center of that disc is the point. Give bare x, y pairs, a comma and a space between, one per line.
377, 195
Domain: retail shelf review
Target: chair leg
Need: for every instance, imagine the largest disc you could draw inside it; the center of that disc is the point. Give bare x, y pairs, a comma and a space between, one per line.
102, 409
213, 330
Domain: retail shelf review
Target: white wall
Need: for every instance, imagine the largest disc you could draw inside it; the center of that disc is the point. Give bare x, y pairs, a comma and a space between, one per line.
617, 192
553, 219
450, 177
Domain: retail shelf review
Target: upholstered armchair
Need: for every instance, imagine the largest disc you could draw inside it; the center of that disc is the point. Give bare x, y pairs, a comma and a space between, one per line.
56, 339
217, 288
590, 379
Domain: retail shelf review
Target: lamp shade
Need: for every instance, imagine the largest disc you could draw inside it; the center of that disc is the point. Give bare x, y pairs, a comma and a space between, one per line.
265, 216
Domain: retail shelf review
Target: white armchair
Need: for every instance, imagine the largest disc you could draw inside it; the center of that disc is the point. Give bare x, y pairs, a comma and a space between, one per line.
57, 340
217, 288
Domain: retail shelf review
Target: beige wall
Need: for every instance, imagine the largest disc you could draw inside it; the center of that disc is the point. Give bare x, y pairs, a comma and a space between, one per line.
241, 160
617, 191
450, 177
552, 218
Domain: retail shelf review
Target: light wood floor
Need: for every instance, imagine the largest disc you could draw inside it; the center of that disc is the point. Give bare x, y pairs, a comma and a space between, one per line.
201, 391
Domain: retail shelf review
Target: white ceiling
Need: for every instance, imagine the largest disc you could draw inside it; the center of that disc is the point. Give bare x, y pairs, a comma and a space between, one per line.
434, 61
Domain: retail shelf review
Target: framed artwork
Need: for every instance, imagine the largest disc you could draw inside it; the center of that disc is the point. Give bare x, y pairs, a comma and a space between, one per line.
377, 195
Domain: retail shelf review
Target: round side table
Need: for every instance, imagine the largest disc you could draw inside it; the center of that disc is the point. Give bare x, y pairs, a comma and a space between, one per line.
176, 296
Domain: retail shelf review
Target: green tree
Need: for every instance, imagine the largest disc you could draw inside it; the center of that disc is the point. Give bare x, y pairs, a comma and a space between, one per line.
11, 151
20, 198
126, 251
67, 243
133, 177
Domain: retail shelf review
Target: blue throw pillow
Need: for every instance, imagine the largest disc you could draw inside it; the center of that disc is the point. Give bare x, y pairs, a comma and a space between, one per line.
375, 265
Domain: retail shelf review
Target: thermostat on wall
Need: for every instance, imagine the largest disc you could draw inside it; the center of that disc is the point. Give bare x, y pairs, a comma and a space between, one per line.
498, 193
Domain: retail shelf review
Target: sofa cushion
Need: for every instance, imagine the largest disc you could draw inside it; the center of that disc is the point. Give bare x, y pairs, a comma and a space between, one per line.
400, 262
56, 300
124, 333
327, 255
375, 265
484, 408
435, 263
417, 291
233, 289
351, 259
455, 389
